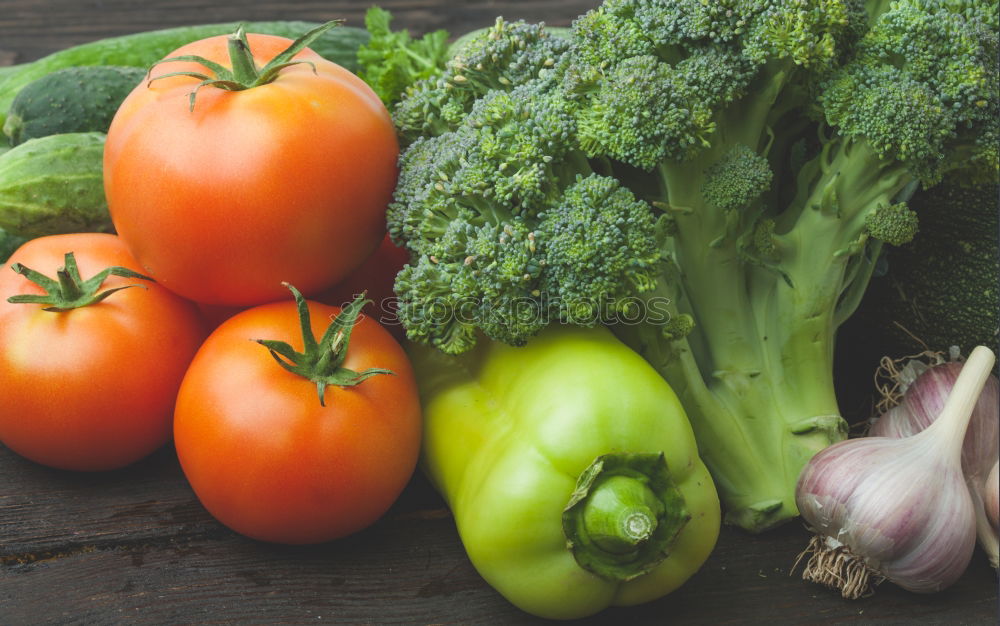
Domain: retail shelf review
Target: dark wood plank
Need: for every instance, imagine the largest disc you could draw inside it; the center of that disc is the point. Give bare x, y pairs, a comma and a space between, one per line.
135, 542
46, 512
33, 29
411, 568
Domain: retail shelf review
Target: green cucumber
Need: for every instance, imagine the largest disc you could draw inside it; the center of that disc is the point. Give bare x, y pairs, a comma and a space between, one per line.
9, 69
339, 45
71, 100
53, 185
8, 244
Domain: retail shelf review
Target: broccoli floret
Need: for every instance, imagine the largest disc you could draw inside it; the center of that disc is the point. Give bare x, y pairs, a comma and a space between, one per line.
763, 243
601, 249
737, 180
582, 261
645, 111
812, 33
677, 327
507, 208
741, 162
499, 58
507, 158
433, 303
894, 224
649, 78
915, 103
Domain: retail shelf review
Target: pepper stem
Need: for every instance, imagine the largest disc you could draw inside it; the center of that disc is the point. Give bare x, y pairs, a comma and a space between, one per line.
624, 515
621, 514
322, 361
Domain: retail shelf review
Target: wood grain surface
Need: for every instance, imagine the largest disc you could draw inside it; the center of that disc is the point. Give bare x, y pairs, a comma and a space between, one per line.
134, 546
32, 28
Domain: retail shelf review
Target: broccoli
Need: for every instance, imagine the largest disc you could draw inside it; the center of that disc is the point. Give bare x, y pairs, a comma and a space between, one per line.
712, 180
510, 232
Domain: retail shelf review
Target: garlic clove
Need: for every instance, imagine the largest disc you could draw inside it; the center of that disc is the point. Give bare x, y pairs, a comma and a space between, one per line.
988, 515
896, 508
986, 528
925, 389
897, 511
991, 497
923, 401
940, 550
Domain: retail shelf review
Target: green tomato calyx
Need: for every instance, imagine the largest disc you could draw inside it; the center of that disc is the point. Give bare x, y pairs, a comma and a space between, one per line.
244, 73
69, 291
322, 361
624, 515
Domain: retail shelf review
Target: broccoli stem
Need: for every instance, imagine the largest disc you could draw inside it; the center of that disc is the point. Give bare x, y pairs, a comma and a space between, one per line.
756, 373
714, 276
759, 423
856, 281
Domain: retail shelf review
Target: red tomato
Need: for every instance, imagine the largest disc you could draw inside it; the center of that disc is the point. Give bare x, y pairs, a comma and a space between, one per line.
267, 459
375, 277
91, 388
287, 181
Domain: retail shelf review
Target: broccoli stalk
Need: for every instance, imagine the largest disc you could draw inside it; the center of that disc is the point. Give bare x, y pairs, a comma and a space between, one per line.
714, 181
756, 372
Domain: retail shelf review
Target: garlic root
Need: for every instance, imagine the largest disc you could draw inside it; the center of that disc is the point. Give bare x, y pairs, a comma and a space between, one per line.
833, 565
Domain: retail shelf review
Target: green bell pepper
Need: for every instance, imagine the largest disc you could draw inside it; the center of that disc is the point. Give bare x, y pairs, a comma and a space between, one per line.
570, 468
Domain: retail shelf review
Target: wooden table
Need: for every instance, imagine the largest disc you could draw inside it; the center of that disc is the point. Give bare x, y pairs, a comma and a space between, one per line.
135, 546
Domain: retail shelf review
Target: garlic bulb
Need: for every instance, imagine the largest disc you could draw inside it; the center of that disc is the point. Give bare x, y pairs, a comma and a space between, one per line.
985, 498
895, 509
922, 402
923, 399
991, 498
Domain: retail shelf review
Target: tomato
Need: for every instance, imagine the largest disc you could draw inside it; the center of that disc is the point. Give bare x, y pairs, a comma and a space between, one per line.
93, 387
262, 453
285, 181
375, 278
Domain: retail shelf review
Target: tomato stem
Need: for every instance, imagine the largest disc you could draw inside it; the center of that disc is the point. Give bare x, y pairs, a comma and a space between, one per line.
322, 361
70, 291
244, 73
244, 69
68, 286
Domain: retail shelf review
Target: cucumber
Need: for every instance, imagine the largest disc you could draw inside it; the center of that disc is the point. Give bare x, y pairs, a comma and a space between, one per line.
53, 185
8, 244
339, 45
9, 69
71, 100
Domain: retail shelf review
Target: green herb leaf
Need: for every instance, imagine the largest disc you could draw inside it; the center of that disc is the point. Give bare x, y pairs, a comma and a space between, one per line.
391, 61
